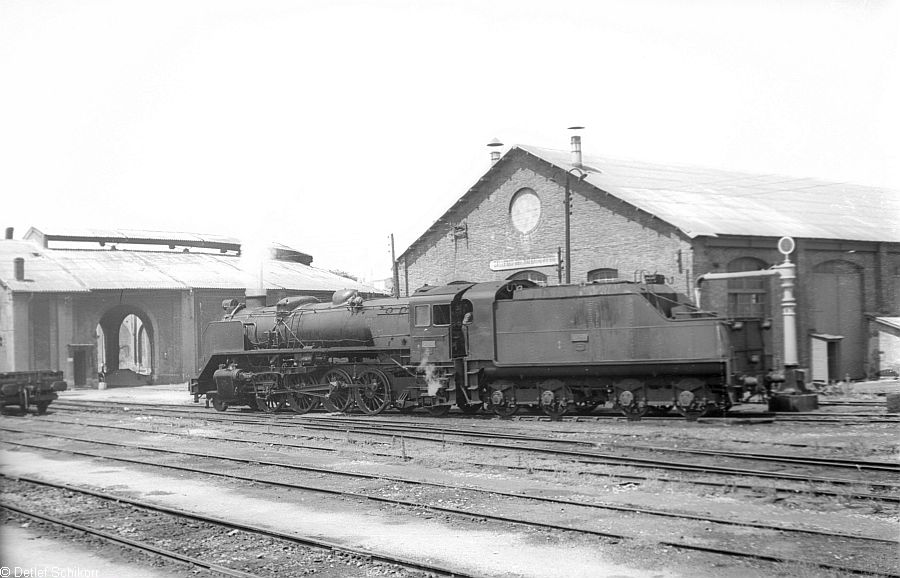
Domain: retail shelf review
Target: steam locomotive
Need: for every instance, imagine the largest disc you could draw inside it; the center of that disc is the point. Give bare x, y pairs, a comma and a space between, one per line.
498, 346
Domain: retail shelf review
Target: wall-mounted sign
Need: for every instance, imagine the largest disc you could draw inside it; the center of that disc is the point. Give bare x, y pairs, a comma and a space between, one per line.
509, 264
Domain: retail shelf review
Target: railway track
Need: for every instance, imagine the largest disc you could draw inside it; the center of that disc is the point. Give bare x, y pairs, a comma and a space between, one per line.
853, 545
609, 415
252, 417
331, 471
606, 473
341, 425
384, 421
172, 517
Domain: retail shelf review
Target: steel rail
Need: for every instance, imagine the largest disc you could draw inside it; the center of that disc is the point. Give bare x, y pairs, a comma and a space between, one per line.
134, 544
793, 459
777, 416
796, 460
602, 506
307, 541
597, 458
729, 485
486, 516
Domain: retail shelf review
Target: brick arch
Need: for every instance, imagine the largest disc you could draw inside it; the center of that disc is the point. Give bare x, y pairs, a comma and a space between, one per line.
111, 324
529, 275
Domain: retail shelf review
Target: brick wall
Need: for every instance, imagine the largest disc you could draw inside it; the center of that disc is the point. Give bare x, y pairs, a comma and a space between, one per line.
605, 233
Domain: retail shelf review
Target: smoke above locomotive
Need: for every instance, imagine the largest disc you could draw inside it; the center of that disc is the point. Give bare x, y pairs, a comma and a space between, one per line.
496, 346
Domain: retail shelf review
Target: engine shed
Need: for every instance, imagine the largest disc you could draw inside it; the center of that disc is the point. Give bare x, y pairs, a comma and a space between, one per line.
554, 217
130, 307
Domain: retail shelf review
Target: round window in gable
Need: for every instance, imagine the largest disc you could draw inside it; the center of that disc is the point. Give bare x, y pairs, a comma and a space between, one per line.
525, 210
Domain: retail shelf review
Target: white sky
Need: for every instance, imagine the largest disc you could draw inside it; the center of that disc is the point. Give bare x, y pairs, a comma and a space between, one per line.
329, 125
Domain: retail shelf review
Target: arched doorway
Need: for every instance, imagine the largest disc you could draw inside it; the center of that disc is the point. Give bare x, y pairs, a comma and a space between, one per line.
125, 346
836, 299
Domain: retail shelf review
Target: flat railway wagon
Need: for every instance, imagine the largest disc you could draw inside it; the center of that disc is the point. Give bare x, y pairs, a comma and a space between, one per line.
27, 388
498, 346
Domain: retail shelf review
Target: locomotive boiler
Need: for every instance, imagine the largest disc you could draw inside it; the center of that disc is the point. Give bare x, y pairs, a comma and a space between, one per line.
498, 346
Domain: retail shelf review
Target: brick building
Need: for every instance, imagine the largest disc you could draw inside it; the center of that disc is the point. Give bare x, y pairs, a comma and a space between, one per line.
133, 304
628, 219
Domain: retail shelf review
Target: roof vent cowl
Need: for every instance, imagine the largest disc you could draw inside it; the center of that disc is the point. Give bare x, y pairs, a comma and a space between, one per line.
576, 147
19, 266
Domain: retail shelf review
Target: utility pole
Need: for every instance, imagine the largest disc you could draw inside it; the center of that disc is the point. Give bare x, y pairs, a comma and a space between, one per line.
395, 290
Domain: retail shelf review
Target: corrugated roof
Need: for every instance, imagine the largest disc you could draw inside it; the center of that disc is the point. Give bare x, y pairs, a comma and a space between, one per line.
713, 202
66, 270
42, 274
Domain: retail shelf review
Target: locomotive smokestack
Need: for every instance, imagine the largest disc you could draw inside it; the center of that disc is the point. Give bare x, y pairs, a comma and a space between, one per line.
19, 266
9, 232
495, 150
576, 146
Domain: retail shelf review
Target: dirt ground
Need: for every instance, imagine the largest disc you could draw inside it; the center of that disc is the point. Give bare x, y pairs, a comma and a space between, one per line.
478, 548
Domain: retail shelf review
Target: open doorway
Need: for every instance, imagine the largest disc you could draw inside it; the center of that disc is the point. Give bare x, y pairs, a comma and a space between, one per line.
125, 347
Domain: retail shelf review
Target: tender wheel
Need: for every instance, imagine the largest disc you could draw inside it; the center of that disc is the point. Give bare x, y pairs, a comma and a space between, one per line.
630, 398
503, 398
219, 403
439, 410
373, 393
339, 397
686, 401
555, 398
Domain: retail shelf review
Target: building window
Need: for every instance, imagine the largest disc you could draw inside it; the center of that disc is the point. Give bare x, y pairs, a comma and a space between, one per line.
748, 297
525, 210
603, 274
529, 275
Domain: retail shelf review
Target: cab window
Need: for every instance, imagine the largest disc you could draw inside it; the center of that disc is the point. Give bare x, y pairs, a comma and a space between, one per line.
442, 314
423, 315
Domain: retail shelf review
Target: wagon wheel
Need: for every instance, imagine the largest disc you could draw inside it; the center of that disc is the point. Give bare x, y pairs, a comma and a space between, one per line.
300, 402
219, 403
339, 397
503, 398
555, 398
373, 393
42, 407
438, 410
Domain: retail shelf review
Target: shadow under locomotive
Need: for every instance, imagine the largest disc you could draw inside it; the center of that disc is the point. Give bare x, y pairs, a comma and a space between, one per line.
498, 345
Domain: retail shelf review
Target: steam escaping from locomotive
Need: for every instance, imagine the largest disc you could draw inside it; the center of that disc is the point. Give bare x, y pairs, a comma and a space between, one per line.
427, 371
254, 258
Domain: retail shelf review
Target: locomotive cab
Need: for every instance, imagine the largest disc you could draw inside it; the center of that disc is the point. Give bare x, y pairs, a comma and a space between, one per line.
439, 318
